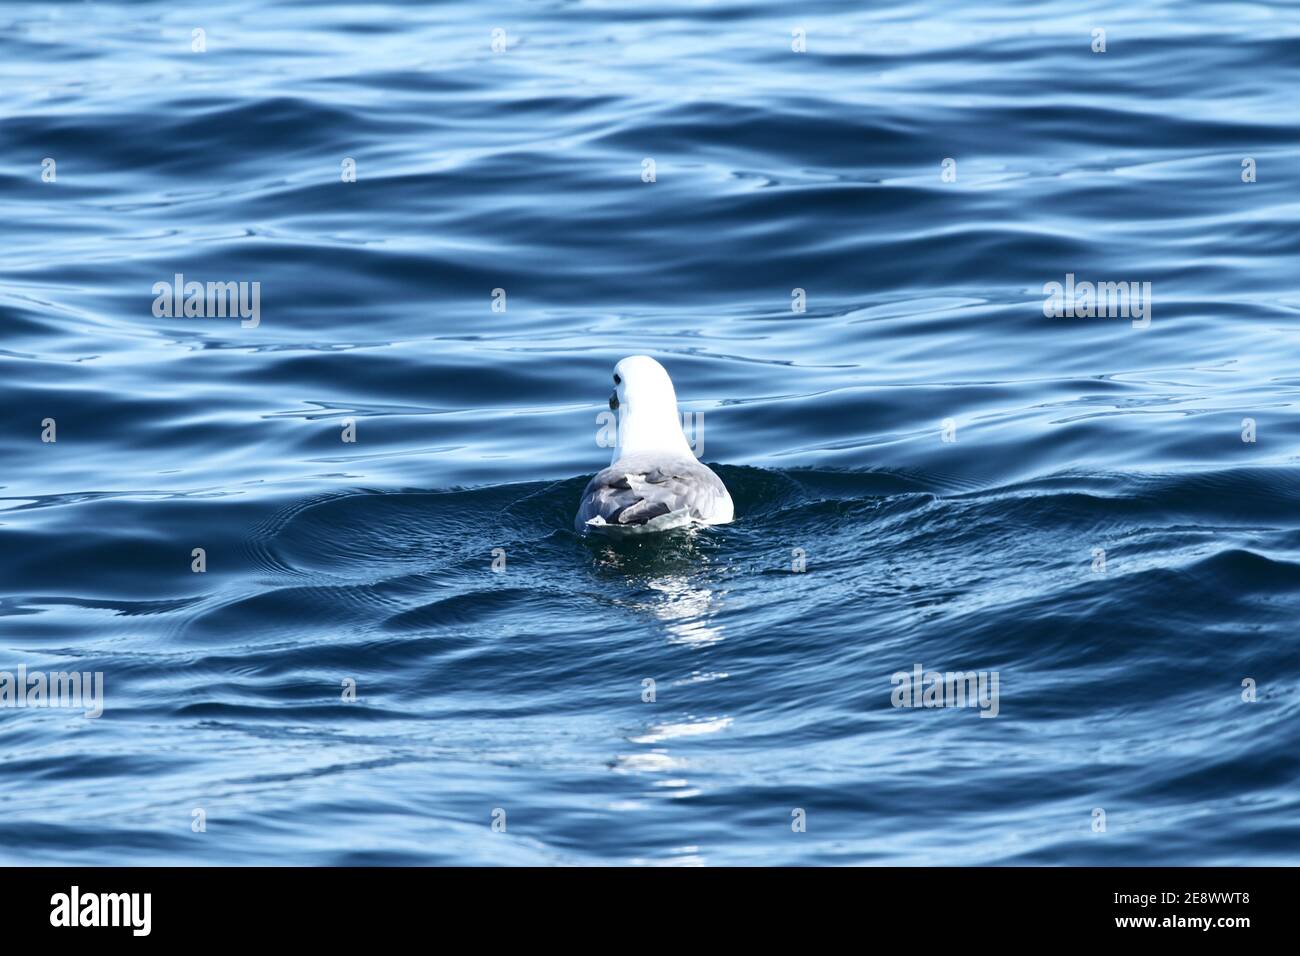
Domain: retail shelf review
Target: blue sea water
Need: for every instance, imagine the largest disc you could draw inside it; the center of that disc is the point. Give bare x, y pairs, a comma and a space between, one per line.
949, 465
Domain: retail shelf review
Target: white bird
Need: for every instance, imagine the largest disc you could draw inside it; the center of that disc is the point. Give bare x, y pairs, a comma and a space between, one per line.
654, 481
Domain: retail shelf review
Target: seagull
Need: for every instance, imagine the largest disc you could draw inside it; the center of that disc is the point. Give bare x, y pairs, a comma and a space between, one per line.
653, 482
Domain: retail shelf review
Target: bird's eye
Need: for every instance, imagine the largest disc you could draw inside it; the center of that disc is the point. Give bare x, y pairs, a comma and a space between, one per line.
617, 380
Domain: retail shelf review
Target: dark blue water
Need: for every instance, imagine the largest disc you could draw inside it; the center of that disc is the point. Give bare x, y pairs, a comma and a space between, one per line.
520, 690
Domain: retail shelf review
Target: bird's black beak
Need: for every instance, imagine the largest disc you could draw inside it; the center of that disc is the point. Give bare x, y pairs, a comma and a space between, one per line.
613, 401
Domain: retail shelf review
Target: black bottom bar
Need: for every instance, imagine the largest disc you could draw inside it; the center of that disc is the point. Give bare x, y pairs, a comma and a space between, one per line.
333, 906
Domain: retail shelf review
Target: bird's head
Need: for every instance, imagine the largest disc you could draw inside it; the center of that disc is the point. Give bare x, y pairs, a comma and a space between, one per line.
646, 403
642, 384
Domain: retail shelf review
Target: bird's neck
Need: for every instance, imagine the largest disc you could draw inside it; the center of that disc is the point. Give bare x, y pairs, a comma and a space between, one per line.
657, 430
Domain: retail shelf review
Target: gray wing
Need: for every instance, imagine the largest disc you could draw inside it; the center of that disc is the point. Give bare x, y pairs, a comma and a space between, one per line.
631, 492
